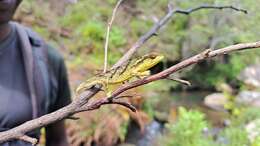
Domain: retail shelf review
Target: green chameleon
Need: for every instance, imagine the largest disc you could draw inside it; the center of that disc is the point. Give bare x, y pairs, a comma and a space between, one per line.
139, 68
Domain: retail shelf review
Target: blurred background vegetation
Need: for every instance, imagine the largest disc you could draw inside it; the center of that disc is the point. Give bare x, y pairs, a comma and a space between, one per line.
78, 31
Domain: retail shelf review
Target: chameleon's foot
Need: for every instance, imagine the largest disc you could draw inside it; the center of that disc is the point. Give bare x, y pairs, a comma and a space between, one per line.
144, 74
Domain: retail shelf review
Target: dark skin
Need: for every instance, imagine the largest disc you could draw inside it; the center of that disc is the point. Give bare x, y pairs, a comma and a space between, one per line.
55, 133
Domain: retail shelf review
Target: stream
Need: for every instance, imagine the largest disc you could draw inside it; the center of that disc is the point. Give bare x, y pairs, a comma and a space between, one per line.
170, 102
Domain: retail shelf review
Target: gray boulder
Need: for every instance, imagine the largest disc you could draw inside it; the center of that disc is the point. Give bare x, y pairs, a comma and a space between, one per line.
253, 129
251, 98
251, 76
216, 101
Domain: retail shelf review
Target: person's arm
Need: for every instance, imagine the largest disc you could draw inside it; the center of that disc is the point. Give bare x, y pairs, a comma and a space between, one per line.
56, 135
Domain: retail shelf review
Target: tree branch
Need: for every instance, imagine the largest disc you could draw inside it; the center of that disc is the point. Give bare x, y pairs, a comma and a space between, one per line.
81, 102
193, 60
157, 26
28, 139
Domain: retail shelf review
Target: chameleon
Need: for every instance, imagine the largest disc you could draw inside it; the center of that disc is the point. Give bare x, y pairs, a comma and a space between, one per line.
139, 68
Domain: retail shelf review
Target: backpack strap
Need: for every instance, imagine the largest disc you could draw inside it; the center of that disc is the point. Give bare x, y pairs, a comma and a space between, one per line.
42, 76
35, 55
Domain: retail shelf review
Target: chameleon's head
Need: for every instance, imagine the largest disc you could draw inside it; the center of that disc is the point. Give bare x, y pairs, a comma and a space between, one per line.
148, 61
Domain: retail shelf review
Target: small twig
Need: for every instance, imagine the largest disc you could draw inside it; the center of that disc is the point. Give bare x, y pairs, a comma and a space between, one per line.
124, 96
73, 118
107, 35
97, 104
187, 12
157, 26
28, 139
125, 104
179, 81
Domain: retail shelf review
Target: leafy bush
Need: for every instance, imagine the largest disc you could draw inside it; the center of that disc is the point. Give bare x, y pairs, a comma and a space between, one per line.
188, 130
236, 136
246, 115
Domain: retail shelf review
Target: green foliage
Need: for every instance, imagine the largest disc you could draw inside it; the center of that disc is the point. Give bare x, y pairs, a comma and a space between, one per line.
190, 124
236, 133
117, 38
123, 131
256, 142
93, 31
246, 115
218, 72
148, 107
188, 130
236, 136
139, 27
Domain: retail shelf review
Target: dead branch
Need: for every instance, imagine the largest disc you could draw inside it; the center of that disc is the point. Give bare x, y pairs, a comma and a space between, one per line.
28, 139
81, 102
157, 26
179, 81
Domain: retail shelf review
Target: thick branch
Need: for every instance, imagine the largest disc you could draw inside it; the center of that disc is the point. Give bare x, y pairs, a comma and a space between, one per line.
157, 26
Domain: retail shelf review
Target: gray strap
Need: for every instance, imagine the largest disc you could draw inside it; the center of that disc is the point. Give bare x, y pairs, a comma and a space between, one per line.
28, 61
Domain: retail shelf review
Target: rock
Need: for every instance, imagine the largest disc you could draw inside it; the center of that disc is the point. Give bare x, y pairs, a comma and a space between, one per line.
253, 129
161, 116
224, 87
251, 98
148, 137
216, 101
250, 76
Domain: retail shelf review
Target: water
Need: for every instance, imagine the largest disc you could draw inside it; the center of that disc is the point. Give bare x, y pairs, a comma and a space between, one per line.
168, 102
191, 100
152, 132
